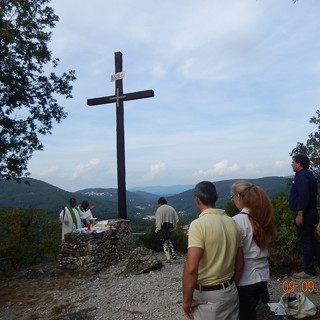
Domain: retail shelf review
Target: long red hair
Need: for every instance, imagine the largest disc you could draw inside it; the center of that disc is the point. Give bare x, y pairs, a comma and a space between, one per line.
260, 211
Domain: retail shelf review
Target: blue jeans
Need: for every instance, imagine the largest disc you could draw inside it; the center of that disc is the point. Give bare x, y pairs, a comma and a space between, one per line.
307, 241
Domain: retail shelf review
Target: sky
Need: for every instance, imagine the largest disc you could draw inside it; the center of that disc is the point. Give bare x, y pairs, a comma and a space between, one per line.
236, 83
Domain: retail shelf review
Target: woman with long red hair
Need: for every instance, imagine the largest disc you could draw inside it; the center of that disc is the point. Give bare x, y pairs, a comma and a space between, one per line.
257, 227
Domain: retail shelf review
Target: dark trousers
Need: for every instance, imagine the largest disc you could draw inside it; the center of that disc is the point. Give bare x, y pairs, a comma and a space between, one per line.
249, 297
309, 245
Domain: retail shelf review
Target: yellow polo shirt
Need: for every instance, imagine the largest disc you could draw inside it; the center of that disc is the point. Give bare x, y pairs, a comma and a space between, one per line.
219, 236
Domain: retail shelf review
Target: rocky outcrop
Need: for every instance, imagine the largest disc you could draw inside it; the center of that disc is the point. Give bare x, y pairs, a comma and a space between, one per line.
141, 260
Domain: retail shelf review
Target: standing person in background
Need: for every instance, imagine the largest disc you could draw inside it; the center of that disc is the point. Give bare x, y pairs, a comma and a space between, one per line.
257, 227
214, 261
303, 201
85, 210
166, 220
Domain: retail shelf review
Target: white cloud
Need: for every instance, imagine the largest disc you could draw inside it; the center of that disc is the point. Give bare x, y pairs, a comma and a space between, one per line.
84, 168
281, 164
226, 76
251, 166
48, 171
154, 170
219, 168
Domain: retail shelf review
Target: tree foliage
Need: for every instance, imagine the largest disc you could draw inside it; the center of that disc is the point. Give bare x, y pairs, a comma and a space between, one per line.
312, 147
27, 89
285, 240
29, 236
178, 237
285, 256
230, 208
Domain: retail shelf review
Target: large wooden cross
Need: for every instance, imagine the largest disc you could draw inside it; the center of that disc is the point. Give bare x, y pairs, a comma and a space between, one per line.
118, 98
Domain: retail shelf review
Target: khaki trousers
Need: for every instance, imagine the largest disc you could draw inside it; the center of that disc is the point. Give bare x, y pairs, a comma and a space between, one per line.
222, 304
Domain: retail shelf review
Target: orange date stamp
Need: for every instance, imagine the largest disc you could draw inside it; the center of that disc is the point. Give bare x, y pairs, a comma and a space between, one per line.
304, 286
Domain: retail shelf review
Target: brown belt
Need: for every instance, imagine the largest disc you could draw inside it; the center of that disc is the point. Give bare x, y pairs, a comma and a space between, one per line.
215, 287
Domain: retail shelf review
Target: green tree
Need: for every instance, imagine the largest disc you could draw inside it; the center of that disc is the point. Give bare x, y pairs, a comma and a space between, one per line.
29, 236
28, 89
312, 147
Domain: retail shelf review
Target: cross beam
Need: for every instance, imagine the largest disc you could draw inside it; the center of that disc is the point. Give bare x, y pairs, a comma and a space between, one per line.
124, 97
118, 98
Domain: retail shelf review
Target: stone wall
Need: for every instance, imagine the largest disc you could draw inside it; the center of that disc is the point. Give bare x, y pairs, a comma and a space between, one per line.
91, 251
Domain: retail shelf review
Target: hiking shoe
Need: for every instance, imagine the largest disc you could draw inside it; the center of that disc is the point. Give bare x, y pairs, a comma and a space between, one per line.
168, 262
174, 257
302, 275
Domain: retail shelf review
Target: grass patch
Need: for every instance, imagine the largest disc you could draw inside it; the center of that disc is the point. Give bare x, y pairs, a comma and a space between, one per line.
59, 309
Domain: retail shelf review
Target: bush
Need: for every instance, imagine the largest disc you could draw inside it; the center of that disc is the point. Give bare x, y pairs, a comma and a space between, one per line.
284, 263
150, 240
29, 236
178, 237
58, 309
230, 208
286, 240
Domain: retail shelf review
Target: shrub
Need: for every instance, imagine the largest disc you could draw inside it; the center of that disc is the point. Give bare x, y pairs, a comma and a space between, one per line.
285, 240
58, 309
29, 236
284, 263
178, 237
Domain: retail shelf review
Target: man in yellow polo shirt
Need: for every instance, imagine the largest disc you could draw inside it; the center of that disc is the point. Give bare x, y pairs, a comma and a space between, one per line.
214, 261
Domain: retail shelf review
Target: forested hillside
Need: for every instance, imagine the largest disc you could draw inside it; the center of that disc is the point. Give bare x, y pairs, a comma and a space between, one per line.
41, 195
30, 228
185, 201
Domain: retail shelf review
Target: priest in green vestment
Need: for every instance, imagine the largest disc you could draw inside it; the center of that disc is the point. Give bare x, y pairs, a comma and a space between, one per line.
70, 216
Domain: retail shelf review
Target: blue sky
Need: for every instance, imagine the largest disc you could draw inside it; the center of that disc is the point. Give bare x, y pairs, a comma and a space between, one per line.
235, 84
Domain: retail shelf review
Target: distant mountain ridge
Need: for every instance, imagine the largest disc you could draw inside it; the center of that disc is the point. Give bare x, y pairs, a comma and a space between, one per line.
164, 190
41, 195
133, 198
185, 201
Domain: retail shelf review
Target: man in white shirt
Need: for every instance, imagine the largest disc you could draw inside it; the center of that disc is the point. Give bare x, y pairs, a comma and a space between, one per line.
166, 221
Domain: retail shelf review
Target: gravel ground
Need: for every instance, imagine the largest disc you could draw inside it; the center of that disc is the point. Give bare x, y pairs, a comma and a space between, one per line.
39, 293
